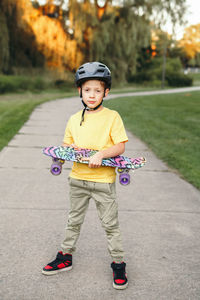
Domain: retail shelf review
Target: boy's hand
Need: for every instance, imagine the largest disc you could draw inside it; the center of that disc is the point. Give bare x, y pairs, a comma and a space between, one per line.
75, 147
71, 146
95, 161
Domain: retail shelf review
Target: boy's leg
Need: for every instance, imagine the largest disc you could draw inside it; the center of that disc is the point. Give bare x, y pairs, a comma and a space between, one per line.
79, 201
105, 199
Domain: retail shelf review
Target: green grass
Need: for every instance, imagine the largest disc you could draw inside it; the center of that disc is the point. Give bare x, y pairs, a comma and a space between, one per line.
15, 110
169, 125
132, 87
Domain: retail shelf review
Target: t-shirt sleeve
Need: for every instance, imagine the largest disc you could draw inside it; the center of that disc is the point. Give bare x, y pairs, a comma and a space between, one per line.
68, 139
118, 132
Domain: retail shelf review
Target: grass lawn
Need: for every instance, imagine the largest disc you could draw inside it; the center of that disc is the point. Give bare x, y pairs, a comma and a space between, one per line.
169, 125
15, 110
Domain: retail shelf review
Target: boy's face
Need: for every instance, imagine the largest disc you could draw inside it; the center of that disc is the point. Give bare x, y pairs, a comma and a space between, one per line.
93, 92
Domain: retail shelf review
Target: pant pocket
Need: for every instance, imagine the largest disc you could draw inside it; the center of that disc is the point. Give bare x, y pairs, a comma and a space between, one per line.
110, 217
75, 182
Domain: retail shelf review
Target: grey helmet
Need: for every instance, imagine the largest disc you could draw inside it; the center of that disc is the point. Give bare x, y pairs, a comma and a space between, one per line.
93, 70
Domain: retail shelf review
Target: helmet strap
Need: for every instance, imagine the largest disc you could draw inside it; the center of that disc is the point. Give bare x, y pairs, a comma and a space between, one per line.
89, 109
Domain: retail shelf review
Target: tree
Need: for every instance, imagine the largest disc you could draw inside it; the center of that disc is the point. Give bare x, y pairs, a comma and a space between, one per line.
68, 33
190, 43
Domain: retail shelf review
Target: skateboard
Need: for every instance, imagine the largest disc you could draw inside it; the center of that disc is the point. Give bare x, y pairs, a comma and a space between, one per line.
123, 164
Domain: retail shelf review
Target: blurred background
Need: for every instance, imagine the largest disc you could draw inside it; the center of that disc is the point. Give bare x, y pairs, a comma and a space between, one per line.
145, 43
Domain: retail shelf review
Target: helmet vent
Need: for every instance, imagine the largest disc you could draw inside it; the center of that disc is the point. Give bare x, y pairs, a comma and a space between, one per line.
82, 72
102, 66
100, 71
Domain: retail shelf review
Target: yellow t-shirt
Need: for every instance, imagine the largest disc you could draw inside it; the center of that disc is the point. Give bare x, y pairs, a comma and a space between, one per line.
99, 131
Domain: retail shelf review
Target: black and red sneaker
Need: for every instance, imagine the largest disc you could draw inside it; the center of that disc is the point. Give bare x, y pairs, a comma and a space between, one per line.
63, 262
120, 280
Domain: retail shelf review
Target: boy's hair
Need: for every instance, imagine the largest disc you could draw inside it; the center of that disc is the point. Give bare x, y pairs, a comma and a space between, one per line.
91, 71
103, 84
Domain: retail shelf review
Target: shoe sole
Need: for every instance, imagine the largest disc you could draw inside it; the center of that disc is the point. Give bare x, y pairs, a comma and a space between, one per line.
120, 287
48, 273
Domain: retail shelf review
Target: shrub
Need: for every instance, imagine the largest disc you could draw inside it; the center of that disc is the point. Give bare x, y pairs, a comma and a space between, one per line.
173, 73
39, 84
9, 84
21, 82
177, 79
63, 84
6, 85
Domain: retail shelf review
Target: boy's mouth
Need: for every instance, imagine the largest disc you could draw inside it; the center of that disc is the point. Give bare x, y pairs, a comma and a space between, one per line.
91, 102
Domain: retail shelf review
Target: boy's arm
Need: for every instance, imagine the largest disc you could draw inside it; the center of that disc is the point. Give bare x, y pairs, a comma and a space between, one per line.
115, 150
95, 161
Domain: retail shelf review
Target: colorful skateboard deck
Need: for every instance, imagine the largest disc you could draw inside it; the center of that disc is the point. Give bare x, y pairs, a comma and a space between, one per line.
122, 163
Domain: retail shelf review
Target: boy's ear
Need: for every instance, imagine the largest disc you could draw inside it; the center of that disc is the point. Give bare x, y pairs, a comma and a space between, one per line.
79, 90
106, 92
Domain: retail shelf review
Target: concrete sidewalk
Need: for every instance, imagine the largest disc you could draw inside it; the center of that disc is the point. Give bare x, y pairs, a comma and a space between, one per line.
159, 215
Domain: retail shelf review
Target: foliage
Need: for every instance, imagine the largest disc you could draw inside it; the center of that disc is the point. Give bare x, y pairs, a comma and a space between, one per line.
117, 41
191, 40
11, 84
63, 34
190, 46
178, 79
153, 73
162, 62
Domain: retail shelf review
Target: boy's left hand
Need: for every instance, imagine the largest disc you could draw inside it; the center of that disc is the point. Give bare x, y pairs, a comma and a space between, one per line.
95, 161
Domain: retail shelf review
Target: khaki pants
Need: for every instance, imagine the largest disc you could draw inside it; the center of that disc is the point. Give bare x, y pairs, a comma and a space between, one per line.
104, 195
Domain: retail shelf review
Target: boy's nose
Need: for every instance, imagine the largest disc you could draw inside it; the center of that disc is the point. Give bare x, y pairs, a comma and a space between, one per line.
92, 95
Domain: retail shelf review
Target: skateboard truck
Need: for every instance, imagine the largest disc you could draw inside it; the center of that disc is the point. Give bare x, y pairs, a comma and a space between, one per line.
56, 166
124, 177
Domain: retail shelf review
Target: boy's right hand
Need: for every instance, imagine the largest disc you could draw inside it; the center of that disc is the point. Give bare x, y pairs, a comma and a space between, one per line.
75, 147
71, 146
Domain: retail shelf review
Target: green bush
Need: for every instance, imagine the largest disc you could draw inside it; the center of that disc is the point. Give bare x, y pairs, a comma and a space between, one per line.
178, 79
6, 85
39, 84
63, 84
21, 83
10, 84
153, 74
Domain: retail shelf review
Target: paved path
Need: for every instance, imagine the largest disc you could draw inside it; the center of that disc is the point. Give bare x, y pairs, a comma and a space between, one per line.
159, 215
157, 92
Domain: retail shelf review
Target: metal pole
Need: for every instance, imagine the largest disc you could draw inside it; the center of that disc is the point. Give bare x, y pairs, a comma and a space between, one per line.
164, 66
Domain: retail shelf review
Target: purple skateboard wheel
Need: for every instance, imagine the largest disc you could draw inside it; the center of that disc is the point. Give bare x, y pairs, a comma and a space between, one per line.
56, 169
124, 178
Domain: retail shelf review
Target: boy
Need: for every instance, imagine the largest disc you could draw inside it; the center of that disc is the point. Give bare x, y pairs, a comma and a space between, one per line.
100, 129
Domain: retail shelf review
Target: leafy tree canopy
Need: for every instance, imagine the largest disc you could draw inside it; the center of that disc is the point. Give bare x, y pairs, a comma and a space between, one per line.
113, 32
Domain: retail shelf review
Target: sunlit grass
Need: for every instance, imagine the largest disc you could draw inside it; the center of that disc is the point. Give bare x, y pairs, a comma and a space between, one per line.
15, 110
170, 125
